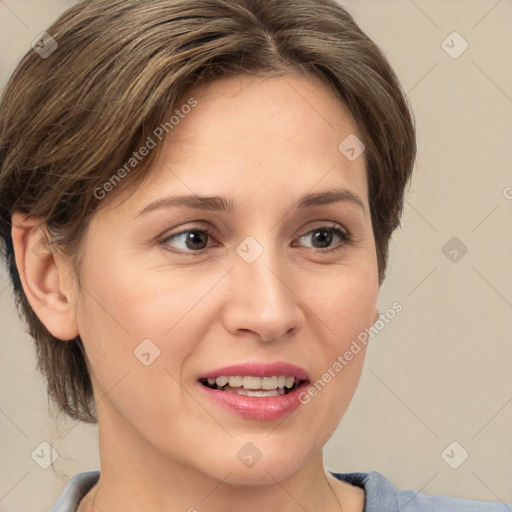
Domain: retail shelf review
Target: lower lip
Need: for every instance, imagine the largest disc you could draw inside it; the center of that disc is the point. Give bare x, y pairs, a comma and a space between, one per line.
265, 408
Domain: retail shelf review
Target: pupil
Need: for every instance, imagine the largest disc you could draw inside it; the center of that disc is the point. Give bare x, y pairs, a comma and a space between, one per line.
194, 238
326, 240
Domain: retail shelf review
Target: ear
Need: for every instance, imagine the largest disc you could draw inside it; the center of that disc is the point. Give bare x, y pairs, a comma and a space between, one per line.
48, 284
375, 315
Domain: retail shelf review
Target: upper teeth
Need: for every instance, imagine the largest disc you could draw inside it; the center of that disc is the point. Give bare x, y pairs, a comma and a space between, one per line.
266, 383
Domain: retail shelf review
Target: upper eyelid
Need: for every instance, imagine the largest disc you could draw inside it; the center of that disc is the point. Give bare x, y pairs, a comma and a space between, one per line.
198, 227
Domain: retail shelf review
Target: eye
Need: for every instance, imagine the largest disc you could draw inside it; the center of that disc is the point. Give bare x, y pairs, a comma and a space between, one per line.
324, 235
195, 239
189, 240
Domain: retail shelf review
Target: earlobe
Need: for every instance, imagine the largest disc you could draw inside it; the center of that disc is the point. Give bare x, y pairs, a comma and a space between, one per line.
47, 284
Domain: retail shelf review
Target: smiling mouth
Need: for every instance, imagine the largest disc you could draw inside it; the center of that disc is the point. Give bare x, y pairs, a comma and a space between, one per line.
276, 385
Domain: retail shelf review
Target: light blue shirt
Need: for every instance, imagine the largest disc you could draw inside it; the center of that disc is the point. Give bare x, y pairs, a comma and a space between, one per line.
380, 496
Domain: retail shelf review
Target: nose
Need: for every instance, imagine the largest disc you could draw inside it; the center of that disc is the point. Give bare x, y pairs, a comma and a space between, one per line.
262, 304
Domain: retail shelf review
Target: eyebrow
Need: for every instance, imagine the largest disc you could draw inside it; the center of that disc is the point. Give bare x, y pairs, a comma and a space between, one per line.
222, 204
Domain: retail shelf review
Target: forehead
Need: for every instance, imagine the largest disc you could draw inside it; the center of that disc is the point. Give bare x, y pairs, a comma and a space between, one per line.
252, 138
285, 113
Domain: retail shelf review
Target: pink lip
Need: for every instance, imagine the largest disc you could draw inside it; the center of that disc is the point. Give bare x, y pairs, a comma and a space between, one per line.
257, 408
258, 370
266, 408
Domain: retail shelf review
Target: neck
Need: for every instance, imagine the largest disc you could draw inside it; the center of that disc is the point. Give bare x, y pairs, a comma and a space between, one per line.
143, 478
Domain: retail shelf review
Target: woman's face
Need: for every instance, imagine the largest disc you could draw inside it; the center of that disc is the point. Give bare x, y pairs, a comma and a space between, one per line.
255, 284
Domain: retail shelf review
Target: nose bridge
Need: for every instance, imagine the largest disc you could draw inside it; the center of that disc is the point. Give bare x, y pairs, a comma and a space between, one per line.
265, 302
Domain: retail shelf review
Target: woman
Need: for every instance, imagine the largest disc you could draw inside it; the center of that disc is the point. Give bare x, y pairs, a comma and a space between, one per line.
275, 136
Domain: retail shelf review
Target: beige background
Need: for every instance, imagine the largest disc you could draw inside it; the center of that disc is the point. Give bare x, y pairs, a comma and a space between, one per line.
440, 371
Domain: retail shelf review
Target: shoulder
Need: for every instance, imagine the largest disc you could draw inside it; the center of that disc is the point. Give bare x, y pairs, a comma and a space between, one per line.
382, 496
75, 490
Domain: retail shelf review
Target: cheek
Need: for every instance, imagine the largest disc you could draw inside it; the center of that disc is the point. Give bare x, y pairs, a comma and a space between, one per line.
345, 302
345, 311
122, 308
352, 314
129, 304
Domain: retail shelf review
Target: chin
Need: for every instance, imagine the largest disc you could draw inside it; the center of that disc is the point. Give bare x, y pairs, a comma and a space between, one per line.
249, 465
260, 474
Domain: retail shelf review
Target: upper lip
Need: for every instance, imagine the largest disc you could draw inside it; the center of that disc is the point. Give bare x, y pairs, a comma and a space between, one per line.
255, 369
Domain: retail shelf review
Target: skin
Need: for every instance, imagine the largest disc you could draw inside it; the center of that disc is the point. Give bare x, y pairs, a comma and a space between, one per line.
264, 143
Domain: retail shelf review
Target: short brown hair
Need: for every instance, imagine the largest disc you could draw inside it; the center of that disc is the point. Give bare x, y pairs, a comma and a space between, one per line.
69, 121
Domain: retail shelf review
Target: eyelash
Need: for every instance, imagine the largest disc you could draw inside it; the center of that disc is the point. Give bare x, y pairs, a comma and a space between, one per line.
346, 239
